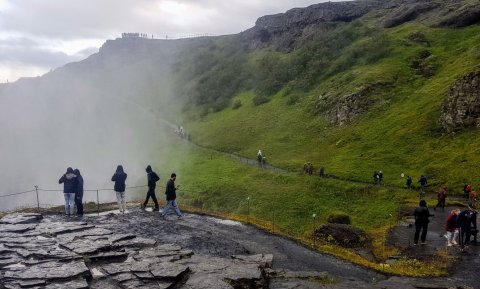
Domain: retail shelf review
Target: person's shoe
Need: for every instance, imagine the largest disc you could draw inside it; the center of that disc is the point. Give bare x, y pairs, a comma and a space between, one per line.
156, 209
446, 236
424, 243
142, 207
179, 217
449, 244
454, 242
415, 244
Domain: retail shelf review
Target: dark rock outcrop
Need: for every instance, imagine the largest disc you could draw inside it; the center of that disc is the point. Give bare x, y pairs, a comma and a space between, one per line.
283, 31
344, 235
461, 107
349, 107
408, 12
466, 16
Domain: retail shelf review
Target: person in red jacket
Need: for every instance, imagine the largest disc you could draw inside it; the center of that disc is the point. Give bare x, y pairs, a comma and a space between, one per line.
442, 195
451, 228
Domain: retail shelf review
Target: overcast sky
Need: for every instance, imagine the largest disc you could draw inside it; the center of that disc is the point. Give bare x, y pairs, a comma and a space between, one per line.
39, 35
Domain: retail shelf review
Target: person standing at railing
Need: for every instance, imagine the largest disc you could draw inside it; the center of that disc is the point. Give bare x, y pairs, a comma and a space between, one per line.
171, 194
68, 180
79, 192
152, 183
119, 178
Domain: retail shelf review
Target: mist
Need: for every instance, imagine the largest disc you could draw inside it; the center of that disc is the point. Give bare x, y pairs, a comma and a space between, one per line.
92, 115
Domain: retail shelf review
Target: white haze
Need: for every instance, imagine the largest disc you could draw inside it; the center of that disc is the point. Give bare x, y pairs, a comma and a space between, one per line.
93, 116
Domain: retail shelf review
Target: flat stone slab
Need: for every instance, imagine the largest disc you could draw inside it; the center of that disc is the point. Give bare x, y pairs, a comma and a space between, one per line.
21, 218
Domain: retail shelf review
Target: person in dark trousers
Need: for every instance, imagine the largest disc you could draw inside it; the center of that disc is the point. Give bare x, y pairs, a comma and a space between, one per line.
467, 222
375, 177
79, 192
451, 228
409, 182
152, 184
466, 190
421, 222
422, 181
442, 195
68, 180
380, 178
171, 194
119, 187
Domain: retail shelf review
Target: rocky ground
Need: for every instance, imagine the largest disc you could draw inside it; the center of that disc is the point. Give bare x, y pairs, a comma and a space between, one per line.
141, 250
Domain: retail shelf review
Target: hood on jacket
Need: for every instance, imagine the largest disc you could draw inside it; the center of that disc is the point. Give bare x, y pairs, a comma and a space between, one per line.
149, 169
69, 170
119, 169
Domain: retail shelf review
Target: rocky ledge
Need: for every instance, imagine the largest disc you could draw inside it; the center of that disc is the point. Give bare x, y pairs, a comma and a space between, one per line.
56, 252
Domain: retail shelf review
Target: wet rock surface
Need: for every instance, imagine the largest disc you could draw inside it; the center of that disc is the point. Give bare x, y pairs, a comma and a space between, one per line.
140, 250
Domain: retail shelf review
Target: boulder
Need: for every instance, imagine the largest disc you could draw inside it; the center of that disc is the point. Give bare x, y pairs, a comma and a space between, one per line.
344, 235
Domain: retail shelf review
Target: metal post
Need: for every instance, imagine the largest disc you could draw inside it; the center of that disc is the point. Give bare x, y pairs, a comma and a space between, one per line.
98, 205
313, 233
273, 223
248, 210
38, 202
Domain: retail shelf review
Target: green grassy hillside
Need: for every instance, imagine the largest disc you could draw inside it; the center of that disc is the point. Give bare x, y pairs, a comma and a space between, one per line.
398, 134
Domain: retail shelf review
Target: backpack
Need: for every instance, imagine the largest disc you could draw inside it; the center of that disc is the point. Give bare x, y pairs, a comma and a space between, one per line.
154, 177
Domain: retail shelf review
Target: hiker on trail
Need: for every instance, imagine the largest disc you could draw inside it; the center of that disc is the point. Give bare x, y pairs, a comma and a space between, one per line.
171, 195
79, 192
467, 222
380, 178
421, 215
310, 169
409, 182
259, 157
422, 181
473, 197
375, 177
152, 184
305, 168
442, 195
68, 180
119, 178
322, 171
466, 190
451, 228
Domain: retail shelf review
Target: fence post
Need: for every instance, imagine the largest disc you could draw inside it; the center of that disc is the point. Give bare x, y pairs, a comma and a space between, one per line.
313, 232
248, 210
98, 205
273, 223
38, 201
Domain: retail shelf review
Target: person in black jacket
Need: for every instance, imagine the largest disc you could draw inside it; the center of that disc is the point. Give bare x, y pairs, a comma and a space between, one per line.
152, 180
421, 221
79, 193
467, 222
119, 178
68, 180
171, 194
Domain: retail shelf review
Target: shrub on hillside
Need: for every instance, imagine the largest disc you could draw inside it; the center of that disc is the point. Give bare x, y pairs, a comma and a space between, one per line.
237, 104
260, 99
343, 235
339, 218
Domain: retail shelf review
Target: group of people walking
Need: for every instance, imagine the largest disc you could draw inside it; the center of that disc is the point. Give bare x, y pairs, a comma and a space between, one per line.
73, 182
459, 225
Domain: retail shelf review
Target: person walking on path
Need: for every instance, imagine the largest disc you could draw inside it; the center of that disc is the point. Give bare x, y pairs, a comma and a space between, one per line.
79, 192
467, 222
119, 187
466, 190
409, 182
421, 222
451, 228
171, 194
152, 184
68, 180
442, 195
422, 181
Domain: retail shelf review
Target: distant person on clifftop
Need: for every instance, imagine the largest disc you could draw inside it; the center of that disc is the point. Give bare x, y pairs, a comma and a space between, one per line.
171, 196
322, 171
375, 177
421, 215
68, 180
119, 187
380, 178
79, 192
441, 197
409, 182
152, 178
423, 182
